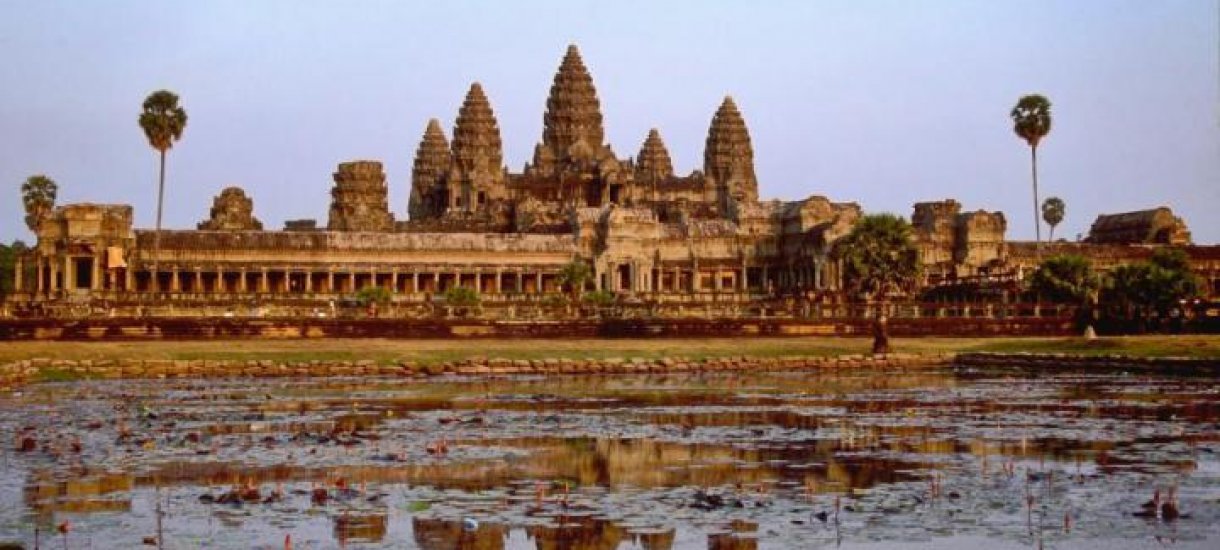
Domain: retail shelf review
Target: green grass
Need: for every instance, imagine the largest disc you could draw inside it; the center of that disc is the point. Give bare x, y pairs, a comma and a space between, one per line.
384, 351
51, 374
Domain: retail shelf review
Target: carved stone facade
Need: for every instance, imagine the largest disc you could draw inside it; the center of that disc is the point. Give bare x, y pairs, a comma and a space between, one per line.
232, 210
955, 244
359, 200
1155, 226
697, 240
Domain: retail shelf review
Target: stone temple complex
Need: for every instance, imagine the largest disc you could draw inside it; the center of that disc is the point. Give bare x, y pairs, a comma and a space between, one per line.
645, 231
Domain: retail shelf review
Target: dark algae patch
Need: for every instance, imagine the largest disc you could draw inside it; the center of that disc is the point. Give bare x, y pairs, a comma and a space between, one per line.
934, 458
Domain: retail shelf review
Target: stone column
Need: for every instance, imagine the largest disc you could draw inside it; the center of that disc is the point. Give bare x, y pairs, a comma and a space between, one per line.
129, 283
351, 280
39, 285
198, 286
394, 280
538, 279
330, 280
242, 286
175, 282
415, 282
309, 281
478, 281
53, 280
69, 276
263, 283
19, 275
95, 279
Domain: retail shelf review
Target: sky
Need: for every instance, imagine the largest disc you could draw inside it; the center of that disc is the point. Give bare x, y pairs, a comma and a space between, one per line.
882, 103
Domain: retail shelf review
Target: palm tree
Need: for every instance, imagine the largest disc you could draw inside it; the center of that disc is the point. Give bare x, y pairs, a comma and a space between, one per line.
1031, 119
38, 195
1053, 209
1065, 279
878, 256
163, 122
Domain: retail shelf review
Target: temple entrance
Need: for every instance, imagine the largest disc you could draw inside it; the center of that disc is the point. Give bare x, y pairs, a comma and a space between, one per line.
624, 277
83, 271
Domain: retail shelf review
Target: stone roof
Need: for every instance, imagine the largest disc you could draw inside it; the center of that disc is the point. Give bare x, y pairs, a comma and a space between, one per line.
431, 163
728, 156
1156, 225
354, 241
653, 164
573, 112
476, 135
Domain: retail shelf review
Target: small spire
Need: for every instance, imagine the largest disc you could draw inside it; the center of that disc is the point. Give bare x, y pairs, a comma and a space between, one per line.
653, 163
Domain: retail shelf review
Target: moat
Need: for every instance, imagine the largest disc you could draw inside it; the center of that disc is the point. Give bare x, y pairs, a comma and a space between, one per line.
940, 457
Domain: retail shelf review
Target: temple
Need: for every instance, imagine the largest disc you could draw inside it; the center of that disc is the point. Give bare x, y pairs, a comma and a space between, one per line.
646, 232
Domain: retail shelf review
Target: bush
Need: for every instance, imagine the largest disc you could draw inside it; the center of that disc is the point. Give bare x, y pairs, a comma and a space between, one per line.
373, 295
460, 296
600, 298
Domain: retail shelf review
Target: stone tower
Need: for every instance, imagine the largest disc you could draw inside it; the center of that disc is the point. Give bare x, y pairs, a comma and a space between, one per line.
653, 165
572, 131
432, 162
728, 159
358, 200
232, 210
476, 175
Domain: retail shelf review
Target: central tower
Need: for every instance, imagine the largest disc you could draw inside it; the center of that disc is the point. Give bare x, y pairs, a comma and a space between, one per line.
572, 133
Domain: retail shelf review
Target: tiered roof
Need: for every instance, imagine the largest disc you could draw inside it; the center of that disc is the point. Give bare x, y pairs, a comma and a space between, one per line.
432, 161
728, 157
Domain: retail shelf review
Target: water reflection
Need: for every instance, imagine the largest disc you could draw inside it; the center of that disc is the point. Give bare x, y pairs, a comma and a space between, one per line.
597, 462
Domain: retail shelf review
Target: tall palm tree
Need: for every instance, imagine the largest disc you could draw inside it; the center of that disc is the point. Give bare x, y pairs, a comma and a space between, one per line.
1031, 120
163, 122
38, 194
1053, 209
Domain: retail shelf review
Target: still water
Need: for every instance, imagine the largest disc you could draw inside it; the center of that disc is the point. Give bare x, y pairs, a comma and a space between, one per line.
934, 458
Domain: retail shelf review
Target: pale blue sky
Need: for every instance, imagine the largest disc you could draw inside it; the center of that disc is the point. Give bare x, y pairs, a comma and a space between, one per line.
882, 103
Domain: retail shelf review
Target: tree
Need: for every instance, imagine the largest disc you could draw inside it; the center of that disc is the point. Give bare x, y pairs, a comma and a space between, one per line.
163, 121
1031, 119
38, 194
1053, 210
878, 256
1156, 286
1065, 279
373, 295
574, 276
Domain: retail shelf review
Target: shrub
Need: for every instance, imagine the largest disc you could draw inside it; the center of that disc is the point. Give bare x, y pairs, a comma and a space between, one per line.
460, 296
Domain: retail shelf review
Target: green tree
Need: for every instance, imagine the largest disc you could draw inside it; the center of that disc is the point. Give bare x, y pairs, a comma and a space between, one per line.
163, 121
460, 296
373, 295
1158, 285
1171, 280
1031, 120
1053, 210
878, 256
38, 194
1065, 279
574, 276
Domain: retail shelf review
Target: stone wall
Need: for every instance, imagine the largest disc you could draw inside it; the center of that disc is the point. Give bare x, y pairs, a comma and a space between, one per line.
16, 373
291, 328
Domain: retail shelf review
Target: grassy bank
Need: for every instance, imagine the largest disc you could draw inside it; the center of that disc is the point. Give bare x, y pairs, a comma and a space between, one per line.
436, 351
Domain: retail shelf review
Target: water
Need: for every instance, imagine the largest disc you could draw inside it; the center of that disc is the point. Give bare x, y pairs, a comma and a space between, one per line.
935, 458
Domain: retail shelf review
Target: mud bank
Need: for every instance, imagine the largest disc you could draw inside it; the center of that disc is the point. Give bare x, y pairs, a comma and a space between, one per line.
1172, 366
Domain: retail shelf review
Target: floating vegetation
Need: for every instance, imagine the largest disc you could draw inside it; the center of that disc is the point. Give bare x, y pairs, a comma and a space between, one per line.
944, 459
